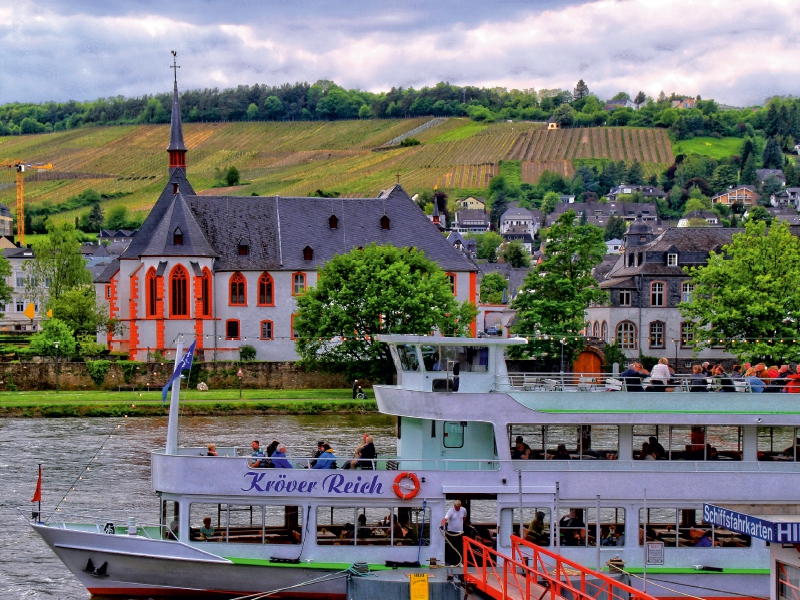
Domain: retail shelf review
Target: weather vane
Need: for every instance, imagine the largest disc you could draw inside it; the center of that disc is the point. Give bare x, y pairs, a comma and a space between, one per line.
175, 65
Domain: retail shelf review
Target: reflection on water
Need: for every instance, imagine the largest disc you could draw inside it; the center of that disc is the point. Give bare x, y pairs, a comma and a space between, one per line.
120, 477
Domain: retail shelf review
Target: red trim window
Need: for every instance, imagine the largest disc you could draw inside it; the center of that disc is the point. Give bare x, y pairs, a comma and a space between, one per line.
266, 290
237, 288
292, 332
298, 284
205, 293
267, 329
108, 292
232, 329
151, 282
179, 292
451, 277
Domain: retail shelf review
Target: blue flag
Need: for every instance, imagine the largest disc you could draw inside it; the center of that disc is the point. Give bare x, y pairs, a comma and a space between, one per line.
184, 364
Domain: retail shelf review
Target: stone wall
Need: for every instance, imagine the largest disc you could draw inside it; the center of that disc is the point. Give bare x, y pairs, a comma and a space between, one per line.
75, 376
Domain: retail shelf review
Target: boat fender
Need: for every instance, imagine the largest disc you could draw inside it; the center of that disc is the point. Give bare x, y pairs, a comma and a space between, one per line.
414, 489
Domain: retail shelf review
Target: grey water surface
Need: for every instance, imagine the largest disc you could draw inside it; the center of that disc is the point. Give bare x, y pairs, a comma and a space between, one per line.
119, 478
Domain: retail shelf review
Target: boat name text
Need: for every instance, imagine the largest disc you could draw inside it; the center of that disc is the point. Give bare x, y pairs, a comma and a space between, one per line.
335, 483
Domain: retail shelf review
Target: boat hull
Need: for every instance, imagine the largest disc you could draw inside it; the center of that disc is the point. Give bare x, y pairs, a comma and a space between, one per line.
138, 567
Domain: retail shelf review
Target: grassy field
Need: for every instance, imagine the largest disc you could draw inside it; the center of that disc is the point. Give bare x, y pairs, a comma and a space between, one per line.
108, 404
709, 146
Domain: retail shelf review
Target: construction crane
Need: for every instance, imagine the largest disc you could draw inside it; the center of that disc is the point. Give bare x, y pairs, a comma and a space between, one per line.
21, 166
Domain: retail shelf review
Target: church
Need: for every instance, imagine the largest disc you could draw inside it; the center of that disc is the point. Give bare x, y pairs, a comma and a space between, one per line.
225, 270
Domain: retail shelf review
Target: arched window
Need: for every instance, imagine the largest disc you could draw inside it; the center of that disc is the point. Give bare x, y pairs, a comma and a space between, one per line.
596, 329
152, 292
267, 330
626, 335
232, 331
657, 334
177, 237
205, 293
384, 222
243, 248
333, 222
178, 292
238, 290
308, 253
266, 289
604, 331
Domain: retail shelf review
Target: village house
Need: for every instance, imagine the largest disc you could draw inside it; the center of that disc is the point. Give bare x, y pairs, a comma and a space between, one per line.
225, 271
785, 213
649, 192
472, 203
468, 247
471, 221
613, 246
6, 221
741, 194
13, 318
686, 103
598, 213
762, 175
705, 218
612, 105
789, 196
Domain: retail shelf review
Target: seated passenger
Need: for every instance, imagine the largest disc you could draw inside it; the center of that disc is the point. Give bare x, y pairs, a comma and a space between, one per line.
212, 450
206, 531
521, 450
645, 451
258, 454
633, 376
562, 453
658, 448
701, 538
536, 530
660, 376
279, 458
697, 381
367, 454
326, 460
792, 380
755, 384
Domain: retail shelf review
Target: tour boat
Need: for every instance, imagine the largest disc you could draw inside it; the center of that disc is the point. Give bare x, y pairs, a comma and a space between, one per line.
583, 479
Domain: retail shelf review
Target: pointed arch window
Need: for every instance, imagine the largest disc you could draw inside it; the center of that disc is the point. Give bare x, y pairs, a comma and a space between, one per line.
243, 248
205, 293
179, 288
151, 282
266, 290
308, 253
596, 329
237, 290
385, 222
333, 222
177, 237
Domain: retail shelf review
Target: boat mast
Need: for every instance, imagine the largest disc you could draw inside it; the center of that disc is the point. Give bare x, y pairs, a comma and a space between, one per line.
172, 426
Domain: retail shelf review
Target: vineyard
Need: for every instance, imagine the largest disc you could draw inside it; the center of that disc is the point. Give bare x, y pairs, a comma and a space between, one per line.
295, 158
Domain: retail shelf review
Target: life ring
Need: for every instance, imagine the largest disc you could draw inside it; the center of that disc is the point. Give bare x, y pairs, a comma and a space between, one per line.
414, 490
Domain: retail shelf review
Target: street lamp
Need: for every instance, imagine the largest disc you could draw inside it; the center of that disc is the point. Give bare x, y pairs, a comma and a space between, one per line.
57, 352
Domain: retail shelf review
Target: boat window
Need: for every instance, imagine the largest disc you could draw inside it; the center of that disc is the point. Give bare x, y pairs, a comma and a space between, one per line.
481, 521
169, 519
245, 524
788, 580
563, 442
373, 526
687, 442
778, 443
684, 528
471, 359
408, 357
577, 526
535, 524
453, 436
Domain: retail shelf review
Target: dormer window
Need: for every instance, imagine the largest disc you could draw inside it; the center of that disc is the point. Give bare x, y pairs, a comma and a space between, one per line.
672, 260
177, 237
243, 248
384, 222
333, 222
308, 253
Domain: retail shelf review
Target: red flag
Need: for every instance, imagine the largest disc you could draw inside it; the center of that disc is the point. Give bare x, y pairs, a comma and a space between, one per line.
37, 496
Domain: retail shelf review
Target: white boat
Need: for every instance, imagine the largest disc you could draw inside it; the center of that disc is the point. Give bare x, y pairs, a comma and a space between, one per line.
459, 412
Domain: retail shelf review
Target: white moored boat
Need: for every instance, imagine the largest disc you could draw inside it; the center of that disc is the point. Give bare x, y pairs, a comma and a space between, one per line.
459, 413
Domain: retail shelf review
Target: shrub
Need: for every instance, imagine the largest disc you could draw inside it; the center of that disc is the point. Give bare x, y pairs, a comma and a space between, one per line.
98, 369
128, 368
409, 142
247, 353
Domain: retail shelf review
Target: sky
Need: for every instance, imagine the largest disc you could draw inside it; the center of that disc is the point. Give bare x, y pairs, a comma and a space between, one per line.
738, 52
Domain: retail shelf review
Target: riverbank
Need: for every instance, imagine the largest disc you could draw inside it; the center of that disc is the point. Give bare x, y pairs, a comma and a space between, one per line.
50, 404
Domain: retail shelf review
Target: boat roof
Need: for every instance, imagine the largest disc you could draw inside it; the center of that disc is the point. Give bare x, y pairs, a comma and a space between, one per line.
430, 340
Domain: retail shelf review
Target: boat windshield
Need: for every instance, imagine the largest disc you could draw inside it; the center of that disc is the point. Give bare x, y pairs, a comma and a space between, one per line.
471, 359
408, 357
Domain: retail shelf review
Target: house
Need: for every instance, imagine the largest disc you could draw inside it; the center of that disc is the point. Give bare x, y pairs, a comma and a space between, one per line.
471, 221
552, 124
566, 198
741, 194
472, 203
612, 105
468, 247
13, 318
787, 197
613, 246
785, 213
517, 217
649, 192
120, 236
599, 213
712, 219
645, 286
225, 271
762, 175
6, 221
500, 315
685, 103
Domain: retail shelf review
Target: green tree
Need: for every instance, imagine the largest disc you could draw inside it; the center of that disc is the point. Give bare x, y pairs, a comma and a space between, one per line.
581, 90
117, 218
82, 313
772, 157
549, 202
635, 174
745, 299
759, 214
747, 149
772, 185
615, 228
724, 176
558, 291
273, 108
232, 176
43, 343
516, 255
380, 289
564, 115
6, 290
57, 266
365, 112
693, 204
487, 243
252, 112
492, 287
95, 218
749, 175
640, 99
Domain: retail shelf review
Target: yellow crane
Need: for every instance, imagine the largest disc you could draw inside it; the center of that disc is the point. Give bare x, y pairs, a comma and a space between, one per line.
21, 166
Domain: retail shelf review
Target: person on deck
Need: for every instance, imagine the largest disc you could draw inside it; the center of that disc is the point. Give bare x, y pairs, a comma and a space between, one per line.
521, 450
793, 381
258, 453
367, 454
327, 459
279, 458
212, 450
207, 530
318, 453
633, 376
454, 519
697, 381
756, 385
660, 376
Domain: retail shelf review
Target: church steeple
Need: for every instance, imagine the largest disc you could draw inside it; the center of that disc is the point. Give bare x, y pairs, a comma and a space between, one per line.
176, 148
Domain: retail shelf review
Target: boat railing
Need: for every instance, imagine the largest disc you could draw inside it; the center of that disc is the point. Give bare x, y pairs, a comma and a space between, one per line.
610, 382
99, 523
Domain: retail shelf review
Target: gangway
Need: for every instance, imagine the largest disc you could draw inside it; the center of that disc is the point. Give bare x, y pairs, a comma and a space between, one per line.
534, 573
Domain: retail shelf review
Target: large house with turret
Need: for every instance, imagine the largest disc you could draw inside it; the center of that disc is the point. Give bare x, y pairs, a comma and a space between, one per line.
225, 271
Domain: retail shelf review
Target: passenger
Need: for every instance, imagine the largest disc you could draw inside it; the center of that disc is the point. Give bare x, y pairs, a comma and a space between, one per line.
793, 381
521, 450
697, 381
562, 453
272, 447
736, 372
258, 453
706, 369
212, 450
660, 376
651, 454
398, 530
536, 530
437, 363
657, 448
318, 453
725, 382
701, 538
633, 376
572, 528
711, 452
326, 460
206, 531
367, 454
644, 451
363, 530
756, 385
279, 458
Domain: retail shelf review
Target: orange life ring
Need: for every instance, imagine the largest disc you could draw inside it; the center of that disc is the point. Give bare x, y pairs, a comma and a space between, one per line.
410, 494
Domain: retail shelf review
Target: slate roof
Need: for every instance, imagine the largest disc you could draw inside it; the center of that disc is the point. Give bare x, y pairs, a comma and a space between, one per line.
108, 272
762, 174
752, 188
18, 253
4, 211
517, 213
176, 127
785, 213
515, 277
472, 214
178, 216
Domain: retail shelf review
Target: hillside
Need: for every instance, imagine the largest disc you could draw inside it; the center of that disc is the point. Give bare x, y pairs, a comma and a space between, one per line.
298, 158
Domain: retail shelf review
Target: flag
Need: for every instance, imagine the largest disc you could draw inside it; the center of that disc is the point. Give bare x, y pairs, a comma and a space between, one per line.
50, 313
37, 495
184, 364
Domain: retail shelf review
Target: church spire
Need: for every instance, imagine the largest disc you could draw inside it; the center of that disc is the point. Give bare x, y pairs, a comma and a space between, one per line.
176, 148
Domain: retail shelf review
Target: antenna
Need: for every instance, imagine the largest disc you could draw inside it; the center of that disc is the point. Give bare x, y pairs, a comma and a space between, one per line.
175, 65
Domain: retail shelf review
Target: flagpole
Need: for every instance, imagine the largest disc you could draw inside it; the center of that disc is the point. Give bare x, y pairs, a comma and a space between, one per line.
39, 516
172, 426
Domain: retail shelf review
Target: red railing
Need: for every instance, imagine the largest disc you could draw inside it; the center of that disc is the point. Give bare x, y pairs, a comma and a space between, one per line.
531, 572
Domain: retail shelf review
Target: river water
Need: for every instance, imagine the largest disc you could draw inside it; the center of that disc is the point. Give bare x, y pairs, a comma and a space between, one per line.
119, 478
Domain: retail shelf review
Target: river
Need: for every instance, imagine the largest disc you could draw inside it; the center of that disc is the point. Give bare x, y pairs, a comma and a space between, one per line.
119, 478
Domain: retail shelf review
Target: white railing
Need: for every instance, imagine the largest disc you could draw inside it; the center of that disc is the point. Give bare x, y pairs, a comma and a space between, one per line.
79, 521
608, 382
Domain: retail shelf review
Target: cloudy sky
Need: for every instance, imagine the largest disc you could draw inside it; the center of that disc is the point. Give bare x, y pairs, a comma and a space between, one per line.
737, 51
